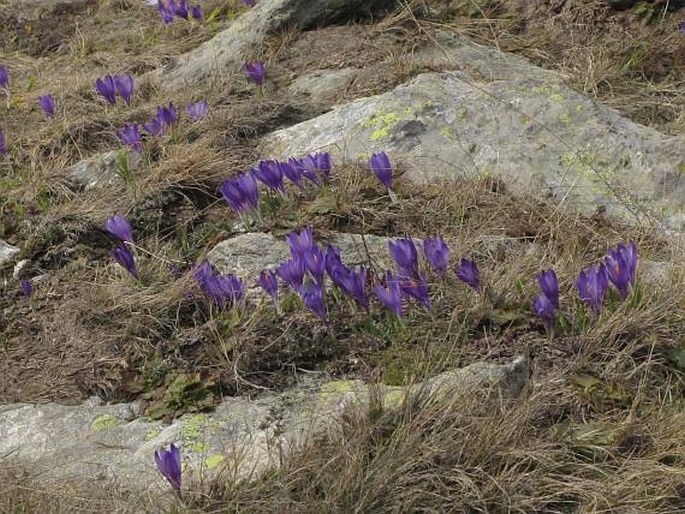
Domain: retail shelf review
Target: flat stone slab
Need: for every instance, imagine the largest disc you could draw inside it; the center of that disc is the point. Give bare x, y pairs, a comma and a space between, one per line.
243, 438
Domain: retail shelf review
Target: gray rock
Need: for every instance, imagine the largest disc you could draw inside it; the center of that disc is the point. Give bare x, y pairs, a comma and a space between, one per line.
246, 255
655, 274
323, 85
99, 171
450, 51
7, 252
243, 438
538, 135
227, 51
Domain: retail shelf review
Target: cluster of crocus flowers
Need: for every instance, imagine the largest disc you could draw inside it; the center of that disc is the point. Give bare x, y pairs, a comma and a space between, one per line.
242, 192
120, 228
110, 86
165, 119
169, 466
406, 282
170, 9
618, 267
255, 71
306, 270
220, 289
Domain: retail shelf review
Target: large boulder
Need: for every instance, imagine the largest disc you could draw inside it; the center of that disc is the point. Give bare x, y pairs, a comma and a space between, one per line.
500, 115
112, 445
226, 51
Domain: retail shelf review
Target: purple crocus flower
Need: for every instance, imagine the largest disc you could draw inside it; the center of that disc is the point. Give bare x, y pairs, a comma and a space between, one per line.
292, 172
269, 174
120, 227
314, 262
166, 11
205, 277
122, 254
312, 296
3, 147
155, 127
592, 285
198, 110
681, 26
382, 168
302, 242
292, 273
416, 287
181, 9
333, 260
241, 193
353, 283
196, 12
250, 3
322, 161
403, 252
4, 78
47, 103
307, 167
621, 266
124, 86
255, 71
107, 88
545, 309
167, 115
390, 295
550, 286
232, 288
437, 253
268, 282
169, 465
219, 288
26, 288
130, 136
467, 271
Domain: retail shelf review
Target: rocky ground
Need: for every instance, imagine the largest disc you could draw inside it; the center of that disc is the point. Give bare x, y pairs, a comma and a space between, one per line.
528, 135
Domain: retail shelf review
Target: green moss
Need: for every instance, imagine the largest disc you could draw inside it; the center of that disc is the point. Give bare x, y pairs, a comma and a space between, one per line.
104, 422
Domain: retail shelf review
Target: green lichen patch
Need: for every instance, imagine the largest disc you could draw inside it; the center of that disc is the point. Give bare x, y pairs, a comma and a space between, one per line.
214, 461
104, 422
382, 123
